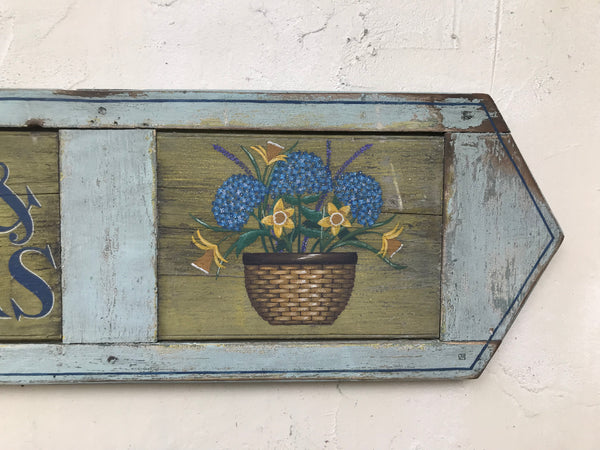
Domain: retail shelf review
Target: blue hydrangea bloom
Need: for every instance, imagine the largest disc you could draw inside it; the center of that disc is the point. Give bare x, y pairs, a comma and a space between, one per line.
362, 193
301, 173
236, 199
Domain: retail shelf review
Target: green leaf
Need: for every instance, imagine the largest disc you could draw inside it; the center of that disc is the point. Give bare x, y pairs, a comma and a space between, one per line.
217, 228
311, 214
393, 264
354, 243
336, 201
383, 222
210, 227
281, 246
360, 244
343, 233
311, 233
253, 161
310, 198
289, 150
293, 200
248, 238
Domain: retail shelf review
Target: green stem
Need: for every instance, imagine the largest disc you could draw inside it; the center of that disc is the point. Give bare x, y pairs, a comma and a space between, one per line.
225, 255
365, 230
262, 227
298, 224
349, 237
218, 229
253, 161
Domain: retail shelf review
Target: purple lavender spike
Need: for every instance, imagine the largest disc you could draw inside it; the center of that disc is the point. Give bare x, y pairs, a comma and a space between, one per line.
304, 244
359, 152
233, 158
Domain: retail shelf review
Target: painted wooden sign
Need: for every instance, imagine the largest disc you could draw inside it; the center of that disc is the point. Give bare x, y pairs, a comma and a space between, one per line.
207, 235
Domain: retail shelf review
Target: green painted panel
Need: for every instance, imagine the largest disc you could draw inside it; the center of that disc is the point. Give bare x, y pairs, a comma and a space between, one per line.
29, 259
385, 302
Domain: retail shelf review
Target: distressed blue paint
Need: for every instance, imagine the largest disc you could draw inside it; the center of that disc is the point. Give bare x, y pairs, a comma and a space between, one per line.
198, 110
108, 235
499, 237
207, 361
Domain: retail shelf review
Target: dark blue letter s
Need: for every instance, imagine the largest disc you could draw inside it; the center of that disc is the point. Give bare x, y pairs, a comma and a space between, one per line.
32, 282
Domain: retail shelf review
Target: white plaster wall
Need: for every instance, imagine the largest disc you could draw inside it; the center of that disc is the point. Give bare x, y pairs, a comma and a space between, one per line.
540, 60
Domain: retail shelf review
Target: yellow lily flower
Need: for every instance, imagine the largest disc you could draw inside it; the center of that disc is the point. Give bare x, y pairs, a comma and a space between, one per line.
272, 154
337, 218
280, 219
389, 244
212, 253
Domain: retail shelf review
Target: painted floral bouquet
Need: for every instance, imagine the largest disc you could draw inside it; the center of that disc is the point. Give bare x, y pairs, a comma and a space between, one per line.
298, 210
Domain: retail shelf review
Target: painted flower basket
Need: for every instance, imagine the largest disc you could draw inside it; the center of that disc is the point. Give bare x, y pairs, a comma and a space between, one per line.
303, 216
299, 288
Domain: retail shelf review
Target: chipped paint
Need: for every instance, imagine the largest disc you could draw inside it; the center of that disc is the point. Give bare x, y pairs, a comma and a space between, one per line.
496, 237
108, 236
247, 110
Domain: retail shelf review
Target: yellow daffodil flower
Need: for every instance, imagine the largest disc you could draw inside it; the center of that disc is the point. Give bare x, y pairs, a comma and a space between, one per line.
389, 244
280, 219
212, 254
337, 218
272, 154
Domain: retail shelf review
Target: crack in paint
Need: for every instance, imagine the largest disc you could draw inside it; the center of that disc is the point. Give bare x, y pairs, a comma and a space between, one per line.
58, 22
4, 49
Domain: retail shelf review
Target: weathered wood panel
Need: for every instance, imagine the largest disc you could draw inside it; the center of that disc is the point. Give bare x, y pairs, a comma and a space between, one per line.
251, 110
498, 236
109, 236
30, 259
385, 302
335, 360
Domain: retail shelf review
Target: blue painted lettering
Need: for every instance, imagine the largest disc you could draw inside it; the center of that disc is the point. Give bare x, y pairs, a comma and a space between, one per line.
31, 281
20, 273
17, 205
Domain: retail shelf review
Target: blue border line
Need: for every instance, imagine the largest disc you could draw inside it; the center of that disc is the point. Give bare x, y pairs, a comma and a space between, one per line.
537, 263
308, 102
253, 101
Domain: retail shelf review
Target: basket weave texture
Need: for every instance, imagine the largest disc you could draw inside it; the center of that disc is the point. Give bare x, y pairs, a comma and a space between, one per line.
299, 294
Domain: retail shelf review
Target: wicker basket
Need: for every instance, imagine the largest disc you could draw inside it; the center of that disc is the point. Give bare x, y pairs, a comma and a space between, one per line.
299, 288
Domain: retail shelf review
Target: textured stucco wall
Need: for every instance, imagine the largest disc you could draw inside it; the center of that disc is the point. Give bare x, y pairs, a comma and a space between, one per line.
540, 60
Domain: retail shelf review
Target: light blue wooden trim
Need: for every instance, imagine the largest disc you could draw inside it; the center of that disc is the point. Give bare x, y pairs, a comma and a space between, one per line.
35, 363
499, 237
248, 110
108, 234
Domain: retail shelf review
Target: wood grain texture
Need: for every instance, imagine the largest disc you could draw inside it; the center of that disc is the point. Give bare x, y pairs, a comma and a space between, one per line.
298, 111
333, 360
499, 236
384, 302
109, 236
32, 159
